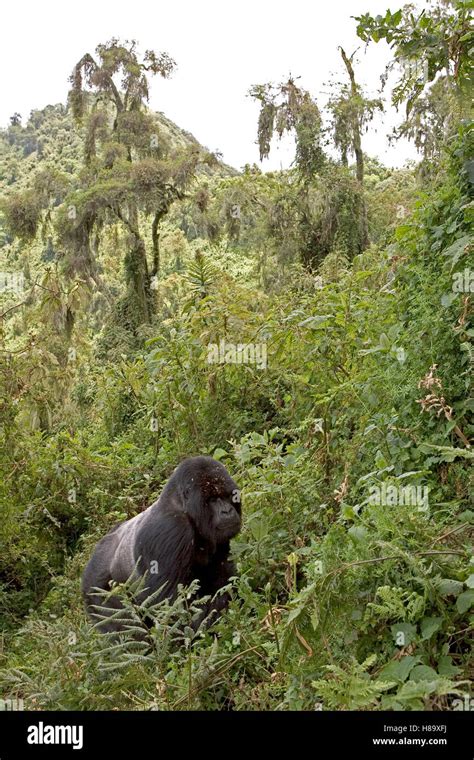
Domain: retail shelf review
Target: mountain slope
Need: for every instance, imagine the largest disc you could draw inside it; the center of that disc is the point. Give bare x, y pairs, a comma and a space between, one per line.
50, 136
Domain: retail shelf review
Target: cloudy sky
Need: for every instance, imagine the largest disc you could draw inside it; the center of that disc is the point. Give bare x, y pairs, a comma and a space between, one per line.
221, 49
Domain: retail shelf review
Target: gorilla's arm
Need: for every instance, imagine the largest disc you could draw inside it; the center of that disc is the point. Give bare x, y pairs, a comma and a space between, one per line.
165, 548
213, 577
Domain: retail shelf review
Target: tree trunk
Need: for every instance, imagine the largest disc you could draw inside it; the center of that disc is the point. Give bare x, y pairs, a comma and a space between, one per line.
136, 265
357, 144
155, 239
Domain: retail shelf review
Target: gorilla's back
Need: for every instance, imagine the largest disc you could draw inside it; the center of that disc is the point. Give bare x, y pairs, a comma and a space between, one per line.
124, 559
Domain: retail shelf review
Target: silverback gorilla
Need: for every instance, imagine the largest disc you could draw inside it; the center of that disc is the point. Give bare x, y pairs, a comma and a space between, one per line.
181, 537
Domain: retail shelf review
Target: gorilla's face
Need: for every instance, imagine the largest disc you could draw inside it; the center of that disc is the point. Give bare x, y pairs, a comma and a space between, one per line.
211, 498
226, 515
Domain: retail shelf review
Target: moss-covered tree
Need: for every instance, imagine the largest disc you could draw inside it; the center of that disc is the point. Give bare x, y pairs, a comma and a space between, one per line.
326, 205
131, 173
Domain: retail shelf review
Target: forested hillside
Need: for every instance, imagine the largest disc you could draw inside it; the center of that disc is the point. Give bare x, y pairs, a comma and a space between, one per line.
310, 328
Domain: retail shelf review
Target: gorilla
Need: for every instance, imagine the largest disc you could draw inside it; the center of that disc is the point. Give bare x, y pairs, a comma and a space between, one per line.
183, 536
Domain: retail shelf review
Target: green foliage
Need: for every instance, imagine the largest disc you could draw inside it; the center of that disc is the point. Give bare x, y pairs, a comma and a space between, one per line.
432, 52
434, 40
21, 215
350, 432
351, 689
285, 108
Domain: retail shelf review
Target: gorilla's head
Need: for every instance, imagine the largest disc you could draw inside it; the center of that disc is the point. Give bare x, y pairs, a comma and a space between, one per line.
210, 498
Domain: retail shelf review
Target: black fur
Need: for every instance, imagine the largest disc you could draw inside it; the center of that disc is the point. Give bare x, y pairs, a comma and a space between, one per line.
183, 536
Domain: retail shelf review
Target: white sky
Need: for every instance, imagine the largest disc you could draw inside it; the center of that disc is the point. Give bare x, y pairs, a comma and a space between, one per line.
221, 49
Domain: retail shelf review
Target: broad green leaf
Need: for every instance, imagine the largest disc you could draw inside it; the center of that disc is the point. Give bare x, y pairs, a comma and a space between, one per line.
449, 586
423, 673
465, 601
429, 626
446, 667
399, 670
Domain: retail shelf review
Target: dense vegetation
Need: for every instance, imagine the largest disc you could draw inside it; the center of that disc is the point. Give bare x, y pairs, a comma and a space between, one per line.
133, 250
